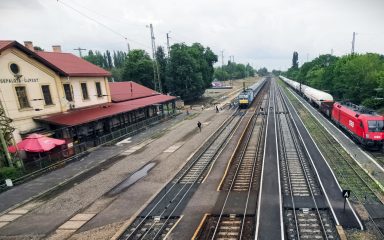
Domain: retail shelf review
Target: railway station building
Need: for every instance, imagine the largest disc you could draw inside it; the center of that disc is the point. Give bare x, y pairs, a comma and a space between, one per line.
63, 96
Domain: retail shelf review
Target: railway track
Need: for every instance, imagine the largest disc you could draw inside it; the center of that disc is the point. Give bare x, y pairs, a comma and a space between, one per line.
240, 184
363, 189
378, 156
305, 214
162, 214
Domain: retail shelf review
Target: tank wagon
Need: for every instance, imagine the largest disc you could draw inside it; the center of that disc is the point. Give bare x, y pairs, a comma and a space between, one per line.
314, 96
246, 97
363, 125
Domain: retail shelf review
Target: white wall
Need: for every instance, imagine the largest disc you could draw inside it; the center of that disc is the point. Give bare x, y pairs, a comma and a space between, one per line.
77, 94
34, 75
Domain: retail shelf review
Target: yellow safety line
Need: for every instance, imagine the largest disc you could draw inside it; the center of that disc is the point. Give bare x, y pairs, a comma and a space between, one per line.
200, 226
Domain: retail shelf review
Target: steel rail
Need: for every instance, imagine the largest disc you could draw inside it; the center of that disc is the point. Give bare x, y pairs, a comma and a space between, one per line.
252, 121
282, 142
186, 171
197, 179
301, 158
355, 171
259, 143
250, 126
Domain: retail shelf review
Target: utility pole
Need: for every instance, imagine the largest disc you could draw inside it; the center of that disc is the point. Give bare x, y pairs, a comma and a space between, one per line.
129, 47
222, 58
169, 50
222, 63
80, 50
156, 73
353, 43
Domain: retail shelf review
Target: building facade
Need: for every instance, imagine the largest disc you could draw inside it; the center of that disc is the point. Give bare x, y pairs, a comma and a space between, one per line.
34, 84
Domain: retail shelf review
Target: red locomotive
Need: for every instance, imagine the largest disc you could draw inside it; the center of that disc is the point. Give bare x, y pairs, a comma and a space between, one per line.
364, 125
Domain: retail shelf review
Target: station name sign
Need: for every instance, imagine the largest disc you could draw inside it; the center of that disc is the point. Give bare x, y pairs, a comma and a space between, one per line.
18, 80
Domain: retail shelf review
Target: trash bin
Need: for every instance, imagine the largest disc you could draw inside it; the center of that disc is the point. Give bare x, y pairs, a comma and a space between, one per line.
8, 182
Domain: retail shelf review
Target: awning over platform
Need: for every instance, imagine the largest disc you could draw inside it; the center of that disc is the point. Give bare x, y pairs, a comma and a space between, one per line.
86, 115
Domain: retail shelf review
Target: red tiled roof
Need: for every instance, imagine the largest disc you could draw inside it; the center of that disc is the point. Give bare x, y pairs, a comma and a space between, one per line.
65, 64
81, 116
72, 65
4, 44
123, 91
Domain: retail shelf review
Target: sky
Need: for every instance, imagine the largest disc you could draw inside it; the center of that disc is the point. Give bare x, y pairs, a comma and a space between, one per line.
263, 33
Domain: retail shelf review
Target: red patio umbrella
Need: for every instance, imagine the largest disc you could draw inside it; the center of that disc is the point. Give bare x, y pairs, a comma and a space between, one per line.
36, 143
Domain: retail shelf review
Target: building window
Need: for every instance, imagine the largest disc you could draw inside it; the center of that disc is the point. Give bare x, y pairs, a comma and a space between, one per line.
84, 90
14, 68
68, 92
21, 93
98, 89
47, 94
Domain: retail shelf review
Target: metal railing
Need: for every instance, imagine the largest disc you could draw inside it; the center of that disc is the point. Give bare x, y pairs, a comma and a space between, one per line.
48, 162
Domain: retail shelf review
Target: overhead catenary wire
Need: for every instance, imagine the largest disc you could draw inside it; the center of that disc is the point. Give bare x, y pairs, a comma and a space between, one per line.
102, 24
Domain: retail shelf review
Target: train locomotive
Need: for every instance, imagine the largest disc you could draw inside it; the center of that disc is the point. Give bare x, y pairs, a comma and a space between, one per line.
363, 125
246, 97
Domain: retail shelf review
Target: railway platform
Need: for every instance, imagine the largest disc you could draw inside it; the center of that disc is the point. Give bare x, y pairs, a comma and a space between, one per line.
161, 149
75, 171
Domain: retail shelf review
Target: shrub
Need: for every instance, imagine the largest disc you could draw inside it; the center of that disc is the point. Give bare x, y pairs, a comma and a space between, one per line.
10, 172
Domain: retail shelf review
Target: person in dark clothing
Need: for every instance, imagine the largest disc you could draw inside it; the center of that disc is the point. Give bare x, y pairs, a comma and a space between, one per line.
199, 125
217, 109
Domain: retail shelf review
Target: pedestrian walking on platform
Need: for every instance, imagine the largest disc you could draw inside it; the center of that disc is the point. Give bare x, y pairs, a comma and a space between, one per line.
199, 125
217, 109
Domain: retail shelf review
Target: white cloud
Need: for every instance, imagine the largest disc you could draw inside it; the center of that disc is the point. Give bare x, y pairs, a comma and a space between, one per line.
264, 33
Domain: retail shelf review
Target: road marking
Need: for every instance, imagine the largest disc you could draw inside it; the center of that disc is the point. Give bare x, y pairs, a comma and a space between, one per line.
174, 147
76, 221
137, 147
16, 213
125, 141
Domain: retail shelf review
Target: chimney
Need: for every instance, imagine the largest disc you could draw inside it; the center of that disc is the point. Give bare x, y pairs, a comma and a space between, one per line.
56, 48
29, 45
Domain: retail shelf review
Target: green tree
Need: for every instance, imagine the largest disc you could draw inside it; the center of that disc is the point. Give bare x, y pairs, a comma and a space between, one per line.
262, 71
138, 67
162, 64
249, 70
221, 74
295, 60
96, 58
189, 70
37, 48
108, 60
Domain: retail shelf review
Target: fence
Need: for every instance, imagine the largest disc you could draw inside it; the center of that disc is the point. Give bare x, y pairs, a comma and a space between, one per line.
52, 161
